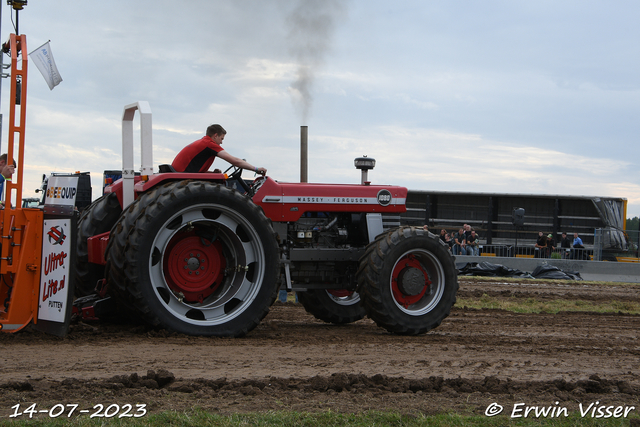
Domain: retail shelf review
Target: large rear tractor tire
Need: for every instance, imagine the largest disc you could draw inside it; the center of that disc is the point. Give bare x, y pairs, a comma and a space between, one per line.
407, 281
332, 306
195, 257
96, 219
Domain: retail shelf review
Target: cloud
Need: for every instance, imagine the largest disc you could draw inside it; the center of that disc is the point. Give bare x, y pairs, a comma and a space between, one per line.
529, 98
442, 160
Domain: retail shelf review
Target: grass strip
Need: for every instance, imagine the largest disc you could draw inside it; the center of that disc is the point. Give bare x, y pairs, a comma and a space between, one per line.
322, 419
598, 283
532, 305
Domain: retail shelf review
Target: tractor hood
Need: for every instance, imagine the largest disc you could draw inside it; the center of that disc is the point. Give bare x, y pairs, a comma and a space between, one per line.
282, 201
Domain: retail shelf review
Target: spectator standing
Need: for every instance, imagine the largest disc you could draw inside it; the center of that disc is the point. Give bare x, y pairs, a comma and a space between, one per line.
565, 245
541, 245
551, 245
6, 170
578, 247
577, 241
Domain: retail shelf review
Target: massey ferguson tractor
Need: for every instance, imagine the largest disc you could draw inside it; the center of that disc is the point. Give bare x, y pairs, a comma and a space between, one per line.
206, 253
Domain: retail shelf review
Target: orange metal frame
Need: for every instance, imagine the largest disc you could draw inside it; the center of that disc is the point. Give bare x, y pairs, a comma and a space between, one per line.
21, 228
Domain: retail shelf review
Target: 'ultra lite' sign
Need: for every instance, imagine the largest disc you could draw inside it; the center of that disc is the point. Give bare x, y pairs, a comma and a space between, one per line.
56, 249
54, 275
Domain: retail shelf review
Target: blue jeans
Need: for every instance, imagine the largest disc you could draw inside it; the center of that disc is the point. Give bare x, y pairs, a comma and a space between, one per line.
460, 250
282, 296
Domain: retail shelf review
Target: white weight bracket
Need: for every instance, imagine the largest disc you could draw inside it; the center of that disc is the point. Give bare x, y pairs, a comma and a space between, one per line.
146, 147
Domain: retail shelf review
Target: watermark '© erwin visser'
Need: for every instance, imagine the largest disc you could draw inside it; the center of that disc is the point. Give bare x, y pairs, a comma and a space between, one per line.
592, 410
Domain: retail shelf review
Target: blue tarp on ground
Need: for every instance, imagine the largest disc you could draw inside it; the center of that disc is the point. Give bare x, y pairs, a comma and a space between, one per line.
543, 271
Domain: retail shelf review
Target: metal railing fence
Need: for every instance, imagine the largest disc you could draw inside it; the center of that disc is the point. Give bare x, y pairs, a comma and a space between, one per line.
609, 245
524, 251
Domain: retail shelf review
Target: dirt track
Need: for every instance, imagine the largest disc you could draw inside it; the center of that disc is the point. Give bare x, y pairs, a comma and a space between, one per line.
292, 361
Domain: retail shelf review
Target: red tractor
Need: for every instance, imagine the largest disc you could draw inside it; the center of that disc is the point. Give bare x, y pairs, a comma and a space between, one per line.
193, 254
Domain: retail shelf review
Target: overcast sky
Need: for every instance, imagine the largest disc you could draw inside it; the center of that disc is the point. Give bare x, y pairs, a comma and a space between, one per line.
495, 96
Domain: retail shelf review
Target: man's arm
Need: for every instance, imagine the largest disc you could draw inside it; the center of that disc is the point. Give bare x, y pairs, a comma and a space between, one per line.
235, 161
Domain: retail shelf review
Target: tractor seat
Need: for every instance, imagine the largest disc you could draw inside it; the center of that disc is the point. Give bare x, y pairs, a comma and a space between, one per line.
166, 168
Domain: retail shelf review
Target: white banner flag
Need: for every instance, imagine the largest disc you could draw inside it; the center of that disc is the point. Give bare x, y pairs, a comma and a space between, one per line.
43, 58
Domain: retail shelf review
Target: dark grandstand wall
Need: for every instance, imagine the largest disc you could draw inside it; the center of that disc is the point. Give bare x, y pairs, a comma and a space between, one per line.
491, 214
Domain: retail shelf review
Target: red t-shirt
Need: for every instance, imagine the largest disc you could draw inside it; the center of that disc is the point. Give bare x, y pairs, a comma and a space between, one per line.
197, 156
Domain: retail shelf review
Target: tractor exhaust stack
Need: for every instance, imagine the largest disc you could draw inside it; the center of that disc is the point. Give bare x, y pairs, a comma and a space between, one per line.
304, 154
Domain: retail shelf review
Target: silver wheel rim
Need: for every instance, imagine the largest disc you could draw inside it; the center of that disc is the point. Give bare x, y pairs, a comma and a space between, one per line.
352, 299
237, 291
432, 265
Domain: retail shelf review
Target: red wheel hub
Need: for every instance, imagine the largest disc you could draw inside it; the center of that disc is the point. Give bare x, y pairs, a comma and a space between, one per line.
409, 281
194, 266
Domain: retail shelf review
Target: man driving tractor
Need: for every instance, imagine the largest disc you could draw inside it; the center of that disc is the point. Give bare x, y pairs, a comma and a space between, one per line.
199, 155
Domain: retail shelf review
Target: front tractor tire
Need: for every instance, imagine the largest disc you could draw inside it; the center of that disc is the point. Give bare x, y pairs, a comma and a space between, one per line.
195, 257
332, 306
407, 281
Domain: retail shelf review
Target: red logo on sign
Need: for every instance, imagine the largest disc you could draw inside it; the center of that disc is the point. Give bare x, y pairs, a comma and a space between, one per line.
56, 235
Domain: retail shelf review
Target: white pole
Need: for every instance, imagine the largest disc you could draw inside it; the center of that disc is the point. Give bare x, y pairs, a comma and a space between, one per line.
146, 148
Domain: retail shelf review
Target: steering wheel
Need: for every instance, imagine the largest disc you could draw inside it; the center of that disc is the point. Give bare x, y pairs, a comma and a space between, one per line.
236, 174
